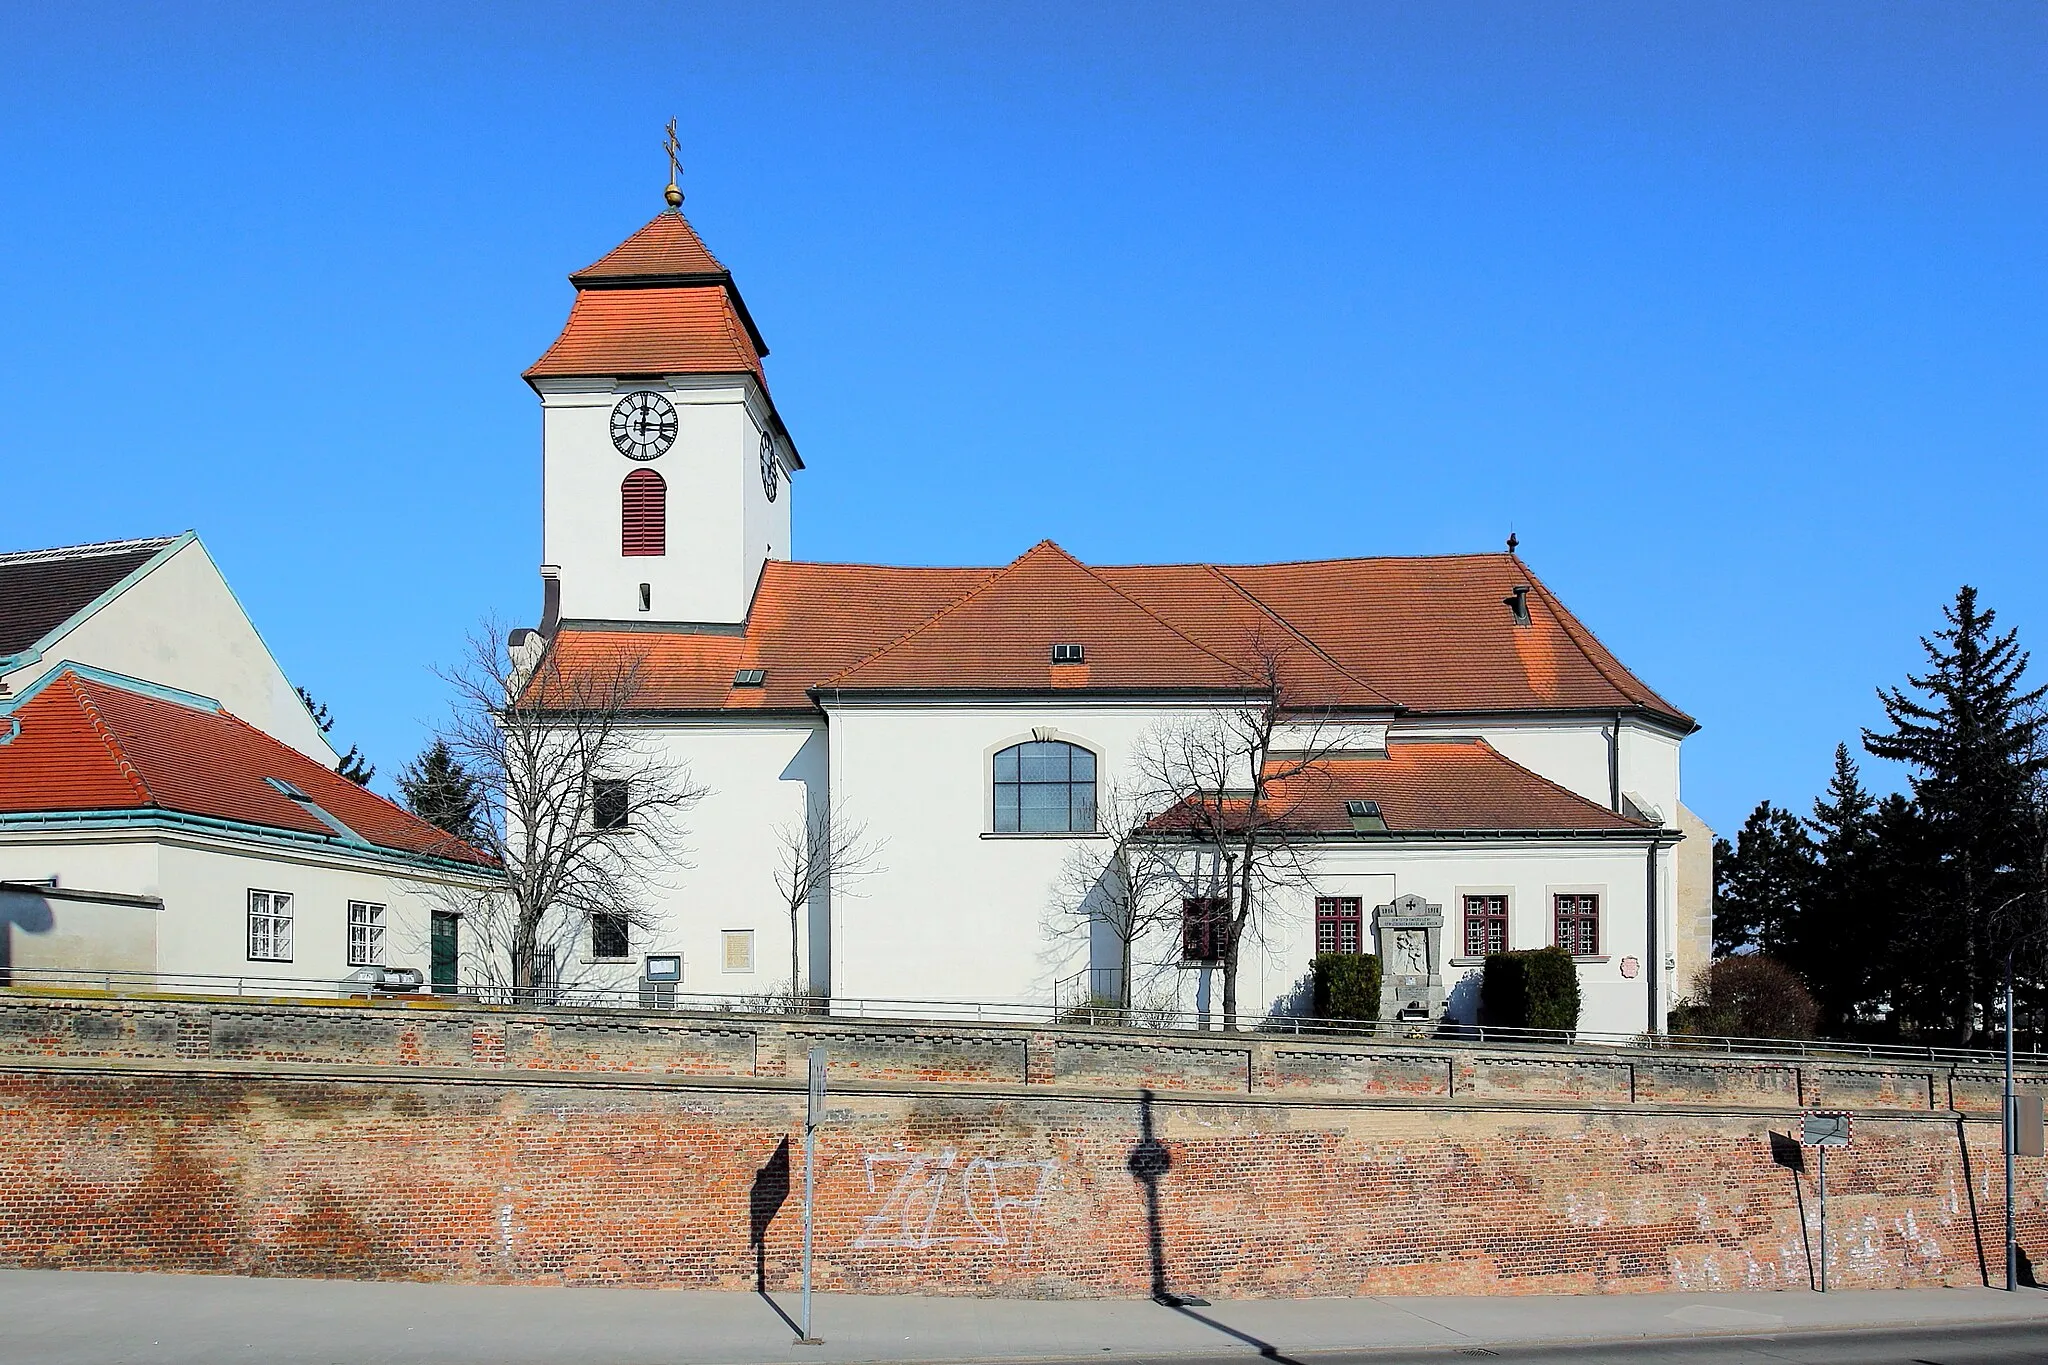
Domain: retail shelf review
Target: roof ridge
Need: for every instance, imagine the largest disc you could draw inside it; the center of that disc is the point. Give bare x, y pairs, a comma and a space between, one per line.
1480, 741
83, 697
1296, 563
91, 550
1046, 544
1299, 634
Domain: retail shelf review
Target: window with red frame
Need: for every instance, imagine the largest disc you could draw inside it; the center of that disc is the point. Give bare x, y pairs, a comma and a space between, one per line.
1486, 925
643, 514
1204, 928
1578, 923
1340, 924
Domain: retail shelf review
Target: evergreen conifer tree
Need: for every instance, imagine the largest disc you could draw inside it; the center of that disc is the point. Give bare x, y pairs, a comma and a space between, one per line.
1972, 738
352, 765
439, 790
1761, 883
1849, 920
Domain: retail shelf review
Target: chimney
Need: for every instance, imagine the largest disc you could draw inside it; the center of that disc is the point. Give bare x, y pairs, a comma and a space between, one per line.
1518, 603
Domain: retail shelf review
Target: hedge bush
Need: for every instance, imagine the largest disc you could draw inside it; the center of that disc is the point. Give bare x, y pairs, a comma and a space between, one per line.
1533, 988
1347, 986
1750, 996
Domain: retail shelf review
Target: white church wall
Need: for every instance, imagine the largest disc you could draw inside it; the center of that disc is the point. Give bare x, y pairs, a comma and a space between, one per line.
1570, 752
962, 912
758, 776
716, 536
180, 625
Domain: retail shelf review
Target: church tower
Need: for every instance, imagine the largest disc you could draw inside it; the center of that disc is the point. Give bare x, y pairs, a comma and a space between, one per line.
665, 483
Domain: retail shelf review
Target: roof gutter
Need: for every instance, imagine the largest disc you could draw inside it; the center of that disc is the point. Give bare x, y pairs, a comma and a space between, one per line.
157, 816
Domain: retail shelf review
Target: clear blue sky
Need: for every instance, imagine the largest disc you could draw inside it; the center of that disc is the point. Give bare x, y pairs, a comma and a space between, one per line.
1738, 314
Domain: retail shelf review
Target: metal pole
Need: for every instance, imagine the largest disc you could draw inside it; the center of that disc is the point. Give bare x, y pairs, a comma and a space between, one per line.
1823, 1220
810, 1166
2010, 1131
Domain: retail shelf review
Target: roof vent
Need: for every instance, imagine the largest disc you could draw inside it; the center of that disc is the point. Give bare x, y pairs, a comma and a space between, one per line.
1069, 654
1518, 603
1365, 814
750, 677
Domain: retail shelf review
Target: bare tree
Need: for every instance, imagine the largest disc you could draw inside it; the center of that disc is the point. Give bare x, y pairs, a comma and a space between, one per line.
581, 813
823, 851
1121, 887
1231, 784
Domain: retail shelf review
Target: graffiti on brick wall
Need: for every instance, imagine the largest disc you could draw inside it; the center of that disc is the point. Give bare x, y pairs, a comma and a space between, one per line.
927, 1199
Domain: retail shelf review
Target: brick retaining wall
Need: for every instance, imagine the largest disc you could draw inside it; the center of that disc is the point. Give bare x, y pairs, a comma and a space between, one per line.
468, 1144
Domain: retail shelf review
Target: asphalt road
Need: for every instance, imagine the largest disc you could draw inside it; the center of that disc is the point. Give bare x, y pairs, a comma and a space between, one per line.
1997, 1344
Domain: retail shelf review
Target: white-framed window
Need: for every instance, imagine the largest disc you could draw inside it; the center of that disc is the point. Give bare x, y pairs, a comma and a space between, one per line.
739, 950
365, 934
270, 926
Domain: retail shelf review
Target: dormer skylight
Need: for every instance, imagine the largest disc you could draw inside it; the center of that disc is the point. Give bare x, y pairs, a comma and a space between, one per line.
1069, 654
750, 677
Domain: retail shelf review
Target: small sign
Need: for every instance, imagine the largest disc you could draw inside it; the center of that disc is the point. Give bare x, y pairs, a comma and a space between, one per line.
2028, 1137
1825, 1130
664, 967
1629, 968
814, 1114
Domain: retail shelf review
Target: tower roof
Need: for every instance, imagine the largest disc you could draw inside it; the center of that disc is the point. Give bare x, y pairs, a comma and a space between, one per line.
666, 251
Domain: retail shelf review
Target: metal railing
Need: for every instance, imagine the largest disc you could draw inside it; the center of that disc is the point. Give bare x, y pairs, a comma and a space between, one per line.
1090, 1013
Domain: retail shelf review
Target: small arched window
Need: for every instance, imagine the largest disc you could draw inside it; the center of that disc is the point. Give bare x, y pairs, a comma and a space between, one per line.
1045, 786
643, 519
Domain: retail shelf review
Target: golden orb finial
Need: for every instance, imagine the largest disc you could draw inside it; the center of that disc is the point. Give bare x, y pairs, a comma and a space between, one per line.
673, 194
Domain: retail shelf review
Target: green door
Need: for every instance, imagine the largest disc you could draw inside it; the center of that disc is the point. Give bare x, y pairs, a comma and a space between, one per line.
445, 943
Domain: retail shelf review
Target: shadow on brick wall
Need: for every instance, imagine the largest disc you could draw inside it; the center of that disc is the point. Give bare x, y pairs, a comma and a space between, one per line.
1149, 1162
765, 1198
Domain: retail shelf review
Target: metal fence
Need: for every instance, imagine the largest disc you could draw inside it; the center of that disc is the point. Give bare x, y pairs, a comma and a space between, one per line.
1091, 1014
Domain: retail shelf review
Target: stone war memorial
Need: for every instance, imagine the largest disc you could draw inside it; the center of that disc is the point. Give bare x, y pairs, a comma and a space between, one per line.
458, 1143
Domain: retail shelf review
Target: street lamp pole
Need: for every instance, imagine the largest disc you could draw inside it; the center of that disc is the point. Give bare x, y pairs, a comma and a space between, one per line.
2011, 1130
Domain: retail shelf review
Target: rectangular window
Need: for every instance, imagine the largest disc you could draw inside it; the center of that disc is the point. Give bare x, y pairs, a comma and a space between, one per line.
365, 934
739, 950
270, 926
609, 938
611, 802
1578, 923
1340, 924
1486, 925
1204, 928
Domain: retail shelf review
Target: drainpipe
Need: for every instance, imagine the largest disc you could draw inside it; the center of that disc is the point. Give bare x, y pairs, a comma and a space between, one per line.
1653, 956
550, 600
1614, 766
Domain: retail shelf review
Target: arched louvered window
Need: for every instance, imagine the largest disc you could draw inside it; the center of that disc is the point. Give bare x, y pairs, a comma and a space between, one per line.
643, 505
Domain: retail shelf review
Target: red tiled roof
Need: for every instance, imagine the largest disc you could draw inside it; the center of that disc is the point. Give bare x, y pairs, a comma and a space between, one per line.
1421, 635
807, 622
82, 744
666, 246
692, 330
1463, 786
1435, 633
1000, 636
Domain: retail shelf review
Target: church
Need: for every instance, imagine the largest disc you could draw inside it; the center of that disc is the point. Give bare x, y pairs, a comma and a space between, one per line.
1503, 781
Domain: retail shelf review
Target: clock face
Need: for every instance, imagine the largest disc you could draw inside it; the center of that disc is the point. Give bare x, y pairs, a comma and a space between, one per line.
643, 425
771, 472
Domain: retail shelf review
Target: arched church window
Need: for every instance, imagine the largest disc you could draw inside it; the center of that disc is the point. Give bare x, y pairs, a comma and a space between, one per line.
1045, 786
643, 503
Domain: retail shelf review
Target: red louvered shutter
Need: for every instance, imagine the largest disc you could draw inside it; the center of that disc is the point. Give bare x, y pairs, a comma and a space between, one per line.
643, 505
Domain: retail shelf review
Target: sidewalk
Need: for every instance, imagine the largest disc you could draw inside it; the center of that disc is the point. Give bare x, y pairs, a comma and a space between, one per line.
62, 1317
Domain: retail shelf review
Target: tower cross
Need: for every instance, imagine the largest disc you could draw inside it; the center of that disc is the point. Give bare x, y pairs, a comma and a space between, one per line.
673, 194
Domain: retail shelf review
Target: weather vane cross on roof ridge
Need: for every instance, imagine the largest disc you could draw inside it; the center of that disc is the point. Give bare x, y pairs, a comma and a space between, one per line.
673, 194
